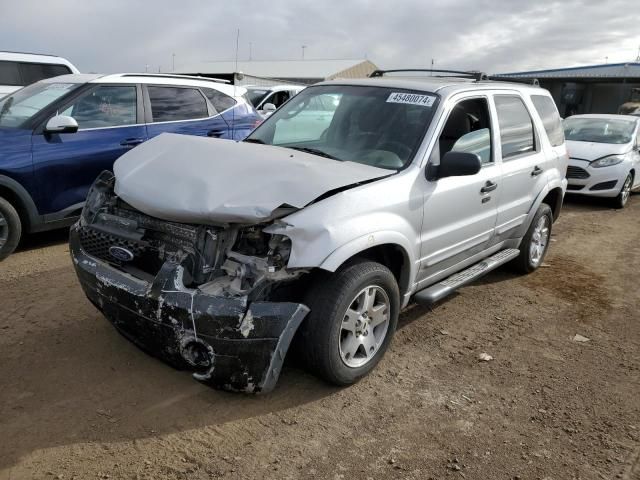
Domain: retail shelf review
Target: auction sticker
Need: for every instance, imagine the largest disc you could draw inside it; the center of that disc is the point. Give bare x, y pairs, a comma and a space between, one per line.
411, 99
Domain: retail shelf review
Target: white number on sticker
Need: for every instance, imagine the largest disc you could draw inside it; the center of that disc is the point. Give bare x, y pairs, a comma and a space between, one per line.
411, 99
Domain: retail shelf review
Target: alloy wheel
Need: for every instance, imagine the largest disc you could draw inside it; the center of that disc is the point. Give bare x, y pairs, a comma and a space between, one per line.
364, 326
539, 240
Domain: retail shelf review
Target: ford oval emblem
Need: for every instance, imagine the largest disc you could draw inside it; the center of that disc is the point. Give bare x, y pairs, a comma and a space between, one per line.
121, 254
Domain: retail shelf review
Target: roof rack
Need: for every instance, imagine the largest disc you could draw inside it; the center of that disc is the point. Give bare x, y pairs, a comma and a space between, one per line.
502, 78
177, 77
474, 75
477, 76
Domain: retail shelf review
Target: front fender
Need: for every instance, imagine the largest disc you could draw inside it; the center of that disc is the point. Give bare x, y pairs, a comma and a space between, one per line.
364, 242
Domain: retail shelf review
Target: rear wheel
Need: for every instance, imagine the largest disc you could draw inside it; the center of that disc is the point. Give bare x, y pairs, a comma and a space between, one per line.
625, 192
10, 228
536, 241
354, 313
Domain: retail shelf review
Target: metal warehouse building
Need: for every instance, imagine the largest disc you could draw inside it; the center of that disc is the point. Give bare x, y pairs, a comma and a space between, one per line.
589, 89
270, 72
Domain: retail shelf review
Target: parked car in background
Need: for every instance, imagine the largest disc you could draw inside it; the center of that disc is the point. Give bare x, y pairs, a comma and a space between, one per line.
267, 99
20, 69
413, 187
604, 155
58, 134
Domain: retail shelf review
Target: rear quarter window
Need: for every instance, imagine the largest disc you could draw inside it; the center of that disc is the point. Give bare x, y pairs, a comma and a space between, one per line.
219, 100
10, 74
548, 112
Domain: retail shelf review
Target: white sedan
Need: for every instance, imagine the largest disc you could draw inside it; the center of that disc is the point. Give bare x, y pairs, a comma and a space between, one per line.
604, 153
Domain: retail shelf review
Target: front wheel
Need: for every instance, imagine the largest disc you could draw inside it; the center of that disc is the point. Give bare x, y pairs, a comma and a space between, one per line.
354, 313
10, 228
536, 241
625, 192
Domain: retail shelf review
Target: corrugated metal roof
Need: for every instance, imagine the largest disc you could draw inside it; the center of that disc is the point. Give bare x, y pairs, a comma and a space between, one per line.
610, 70
275, 69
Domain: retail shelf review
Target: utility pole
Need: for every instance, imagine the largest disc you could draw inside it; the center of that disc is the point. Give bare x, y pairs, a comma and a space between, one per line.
173, 62
303, 47
146, 68
250, 48
638, 56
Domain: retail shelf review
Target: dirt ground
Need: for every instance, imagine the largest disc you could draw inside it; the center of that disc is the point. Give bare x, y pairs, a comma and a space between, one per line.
77, 400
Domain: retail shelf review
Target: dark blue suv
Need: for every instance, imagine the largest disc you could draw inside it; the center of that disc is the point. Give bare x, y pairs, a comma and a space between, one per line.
57, 135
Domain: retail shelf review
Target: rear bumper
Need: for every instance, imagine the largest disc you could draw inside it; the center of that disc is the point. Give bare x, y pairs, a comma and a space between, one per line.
228, 343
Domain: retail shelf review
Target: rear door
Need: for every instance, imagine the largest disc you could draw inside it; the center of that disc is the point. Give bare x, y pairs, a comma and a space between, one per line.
110, 121
524, 162
184, 110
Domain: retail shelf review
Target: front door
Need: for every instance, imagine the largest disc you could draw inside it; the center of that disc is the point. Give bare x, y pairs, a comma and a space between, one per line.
460, 212
110, 123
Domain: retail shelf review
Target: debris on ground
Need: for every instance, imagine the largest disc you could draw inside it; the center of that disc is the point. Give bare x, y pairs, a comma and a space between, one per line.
485, 357
579, 338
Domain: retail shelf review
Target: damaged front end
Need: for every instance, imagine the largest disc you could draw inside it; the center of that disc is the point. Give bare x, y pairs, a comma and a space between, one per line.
212, 299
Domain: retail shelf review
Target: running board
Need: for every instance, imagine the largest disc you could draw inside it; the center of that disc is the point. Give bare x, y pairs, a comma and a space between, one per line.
446, 287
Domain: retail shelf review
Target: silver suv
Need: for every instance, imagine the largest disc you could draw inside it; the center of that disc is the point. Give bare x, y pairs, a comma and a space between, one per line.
352, 199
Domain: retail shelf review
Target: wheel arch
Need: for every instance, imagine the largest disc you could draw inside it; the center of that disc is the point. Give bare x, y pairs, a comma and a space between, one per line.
18, 196
554, 199
390, 249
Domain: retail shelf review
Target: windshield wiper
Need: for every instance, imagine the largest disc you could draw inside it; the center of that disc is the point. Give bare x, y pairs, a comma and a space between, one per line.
254, 140
315, 151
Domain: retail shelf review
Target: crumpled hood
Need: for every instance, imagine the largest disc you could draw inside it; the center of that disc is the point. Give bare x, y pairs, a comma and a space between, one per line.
592, 151
210, 181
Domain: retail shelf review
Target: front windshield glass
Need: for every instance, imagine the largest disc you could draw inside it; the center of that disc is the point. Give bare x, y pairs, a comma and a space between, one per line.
256, 95
599, 130
377, 126
19, 107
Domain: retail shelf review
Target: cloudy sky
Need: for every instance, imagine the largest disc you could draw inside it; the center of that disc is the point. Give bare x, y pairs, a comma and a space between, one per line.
489, 35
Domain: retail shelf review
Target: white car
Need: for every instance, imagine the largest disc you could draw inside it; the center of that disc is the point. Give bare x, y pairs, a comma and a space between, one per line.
604, 155
267, 99
20, 69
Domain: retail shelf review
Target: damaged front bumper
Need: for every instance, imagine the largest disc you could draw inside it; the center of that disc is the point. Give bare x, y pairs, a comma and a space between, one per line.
228, 342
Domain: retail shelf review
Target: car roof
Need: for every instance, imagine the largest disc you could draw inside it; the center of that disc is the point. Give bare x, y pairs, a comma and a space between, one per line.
275, 88
153, 79
606, 116
36, 58
445, 86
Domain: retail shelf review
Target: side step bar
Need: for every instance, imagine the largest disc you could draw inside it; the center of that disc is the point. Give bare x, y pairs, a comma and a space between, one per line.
446, 287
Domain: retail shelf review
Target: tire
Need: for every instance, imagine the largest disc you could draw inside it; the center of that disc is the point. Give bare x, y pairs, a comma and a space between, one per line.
625, 192
538, 237
330, 334
10, 228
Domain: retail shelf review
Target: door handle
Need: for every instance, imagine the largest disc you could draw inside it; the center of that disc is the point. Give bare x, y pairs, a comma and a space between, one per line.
131, 142
489, 187
536, 171
216, 133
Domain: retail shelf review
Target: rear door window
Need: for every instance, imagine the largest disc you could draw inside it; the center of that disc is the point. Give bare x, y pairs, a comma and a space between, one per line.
550, 119
10, 74
516, 126
219, 100
170, 104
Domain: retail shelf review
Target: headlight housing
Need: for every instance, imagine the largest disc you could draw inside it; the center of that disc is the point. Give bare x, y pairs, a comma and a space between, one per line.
607, 161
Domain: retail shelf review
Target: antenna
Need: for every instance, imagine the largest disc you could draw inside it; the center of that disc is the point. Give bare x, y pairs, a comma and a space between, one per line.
303, 47
638, 57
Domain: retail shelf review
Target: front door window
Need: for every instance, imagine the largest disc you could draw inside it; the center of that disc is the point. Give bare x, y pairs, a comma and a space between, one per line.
105, 106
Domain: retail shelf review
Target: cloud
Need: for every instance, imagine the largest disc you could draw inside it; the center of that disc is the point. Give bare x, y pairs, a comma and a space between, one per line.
494, 36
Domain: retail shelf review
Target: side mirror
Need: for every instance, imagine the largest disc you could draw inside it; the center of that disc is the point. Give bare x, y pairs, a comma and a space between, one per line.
268, 108
61, 124
458, 164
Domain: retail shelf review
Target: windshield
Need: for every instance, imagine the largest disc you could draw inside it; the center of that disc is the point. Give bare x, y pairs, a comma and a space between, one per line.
599, 130
21, 106
377, 126
256, 96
